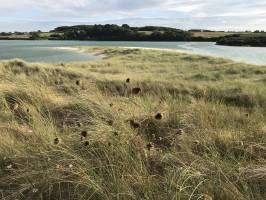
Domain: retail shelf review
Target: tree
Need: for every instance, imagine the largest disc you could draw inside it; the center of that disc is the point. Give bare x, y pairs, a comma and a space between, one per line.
125, 26
34, 36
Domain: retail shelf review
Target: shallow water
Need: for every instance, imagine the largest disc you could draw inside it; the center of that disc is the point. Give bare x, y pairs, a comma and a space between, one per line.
45, 51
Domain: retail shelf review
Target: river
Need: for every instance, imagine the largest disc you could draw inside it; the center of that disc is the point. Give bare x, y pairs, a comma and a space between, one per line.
46, 51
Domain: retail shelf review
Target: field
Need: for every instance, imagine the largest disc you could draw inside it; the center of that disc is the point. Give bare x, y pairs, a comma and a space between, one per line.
147, 32
138, 124
46, 35
26, 36
216, 34
16, 37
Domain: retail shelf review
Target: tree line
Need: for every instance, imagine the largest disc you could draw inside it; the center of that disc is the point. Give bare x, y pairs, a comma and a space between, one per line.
121, 33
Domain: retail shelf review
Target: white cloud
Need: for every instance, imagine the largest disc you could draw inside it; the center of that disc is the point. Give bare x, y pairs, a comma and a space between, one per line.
238, 14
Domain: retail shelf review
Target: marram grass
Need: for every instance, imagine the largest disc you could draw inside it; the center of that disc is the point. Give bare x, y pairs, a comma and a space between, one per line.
139, 124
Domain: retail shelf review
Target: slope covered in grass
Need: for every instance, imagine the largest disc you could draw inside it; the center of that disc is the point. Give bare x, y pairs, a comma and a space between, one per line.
139, 124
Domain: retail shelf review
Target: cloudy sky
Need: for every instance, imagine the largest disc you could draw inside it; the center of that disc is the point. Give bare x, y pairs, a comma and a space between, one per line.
26, 15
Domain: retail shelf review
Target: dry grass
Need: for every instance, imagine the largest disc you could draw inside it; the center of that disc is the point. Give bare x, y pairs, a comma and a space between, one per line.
194, 130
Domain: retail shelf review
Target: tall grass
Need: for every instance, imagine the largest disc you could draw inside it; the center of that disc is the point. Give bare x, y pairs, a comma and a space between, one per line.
194, 130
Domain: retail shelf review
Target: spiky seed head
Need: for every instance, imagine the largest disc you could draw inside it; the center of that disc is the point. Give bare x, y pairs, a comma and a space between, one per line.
84, 134
56, 141
86, 143
78, 82
149, 146
134, 124
136, 91
158, 116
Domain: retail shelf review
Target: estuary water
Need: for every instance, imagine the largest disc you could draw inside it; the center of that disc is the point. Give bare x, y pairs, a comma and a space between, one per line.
48, 51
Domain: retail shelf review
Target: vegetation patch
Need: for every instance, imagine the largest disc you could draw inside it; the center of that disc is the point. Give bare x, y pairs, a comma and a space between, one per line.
138, 124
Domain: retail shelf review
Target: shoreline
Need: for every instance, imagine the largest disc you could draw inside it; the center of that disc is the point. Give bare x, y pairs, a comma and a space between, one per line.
161, 49
80, 50
68, 48
188, 52
166, 50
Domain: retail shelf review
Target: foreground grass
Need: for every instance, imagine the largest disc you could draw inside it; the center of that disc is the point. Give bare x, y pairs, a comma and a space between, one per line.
196, 130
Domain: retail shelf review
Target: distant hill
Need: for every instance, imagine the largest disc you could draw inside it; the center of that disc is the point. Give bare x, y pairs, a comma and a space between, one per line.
112, 32
251, 39
122, 33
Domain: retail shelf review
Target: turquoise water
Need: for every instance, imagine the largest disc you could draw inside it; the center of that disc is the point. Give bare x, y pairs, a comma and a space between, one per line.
45, 51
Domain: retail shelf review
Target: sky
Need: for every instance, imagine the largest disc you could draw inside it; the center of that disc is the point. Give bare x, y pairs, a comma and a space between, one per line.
234, 15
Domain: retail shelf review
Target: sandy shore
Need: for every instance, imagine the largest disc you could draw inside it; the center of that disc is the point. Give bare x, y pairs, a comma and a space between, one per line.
80, 50
161, 49
145, 48
68, 48
101, 55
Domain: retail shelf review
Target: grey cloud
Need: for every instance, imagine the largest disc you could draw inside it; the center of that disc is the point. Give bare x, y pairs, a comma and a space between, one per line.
215, 14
